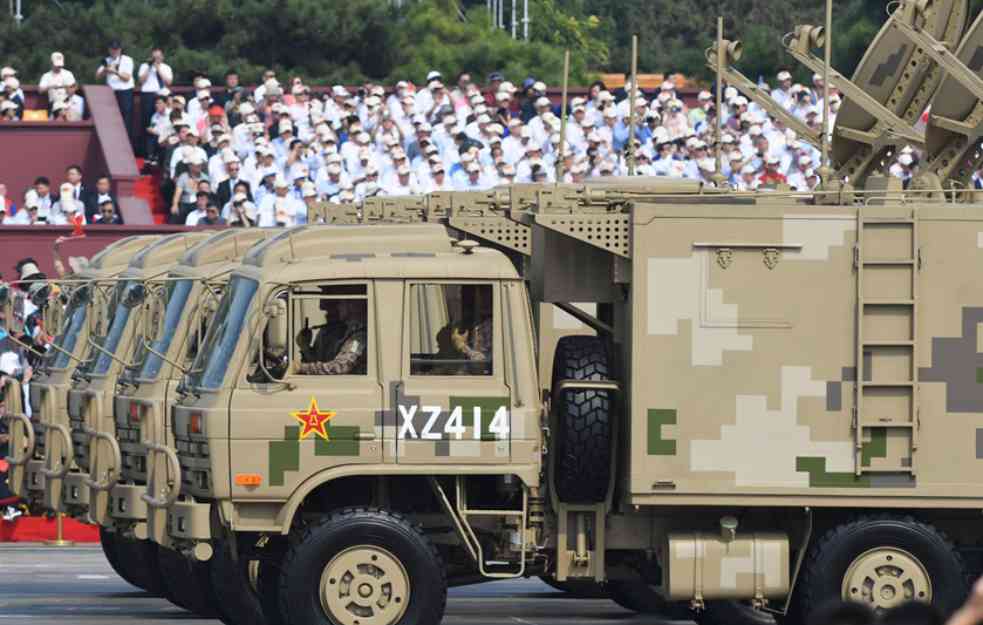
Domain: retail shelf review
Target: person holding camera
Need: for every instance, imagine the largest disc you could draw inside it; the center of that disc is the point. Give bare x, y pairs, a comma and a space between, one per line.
154, 75
117, 71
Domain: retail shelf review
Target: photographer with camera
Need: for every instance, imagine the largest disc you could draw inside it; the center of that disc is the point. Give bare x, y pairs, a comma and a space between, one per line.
154, 75
117, 70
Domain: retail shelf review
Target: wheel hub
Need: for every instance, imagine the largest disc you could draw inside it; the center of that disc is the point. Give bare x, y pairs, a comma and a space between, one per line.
885, 577
364, 585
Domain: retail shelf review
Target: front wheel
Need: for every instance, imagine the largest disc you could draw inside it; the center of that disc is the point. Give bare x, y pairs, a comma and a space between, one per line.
363, 567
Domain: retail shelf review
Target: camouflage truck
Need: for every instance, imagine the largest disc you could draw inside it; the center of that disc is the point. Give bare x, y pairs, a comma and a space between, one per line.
31, 467
176, 312
831, 334
95, 451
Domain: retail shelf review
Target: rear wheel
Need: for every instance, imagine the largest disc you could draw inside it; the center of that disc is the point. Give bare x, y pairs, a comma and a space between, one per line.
581, 589
363, 567
137, 560
733, 613
188, 583
231, 583
882, 561
582, 469
637, 596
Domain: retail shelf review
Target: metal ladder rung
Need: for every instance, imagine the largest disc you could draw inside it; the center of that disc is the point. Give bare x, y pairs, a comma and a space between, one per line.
890, 262
888, 302
897, 469
887, 384
905, 343
887, 424
888, 221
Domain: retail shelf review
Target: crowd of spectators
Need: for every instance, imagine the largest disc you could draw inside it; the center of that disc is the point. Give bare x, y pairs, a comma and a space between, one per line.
73, 203
260, 156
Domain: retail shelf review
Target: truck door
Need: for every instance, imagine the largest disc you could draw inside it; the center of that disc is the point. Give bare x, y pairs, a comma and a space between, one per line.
311, 419
452, 404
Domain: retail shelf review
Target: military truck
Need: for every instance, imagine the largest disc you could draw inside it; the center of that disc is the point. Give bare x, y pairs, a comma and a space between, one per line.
176, 312
29, 473
419, 462
95, 451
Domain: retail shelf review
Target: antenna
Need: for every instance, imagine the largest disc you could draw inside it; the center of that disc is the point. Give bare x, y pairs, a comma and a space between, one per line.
631, 105
825, 170
718, 174
563, 118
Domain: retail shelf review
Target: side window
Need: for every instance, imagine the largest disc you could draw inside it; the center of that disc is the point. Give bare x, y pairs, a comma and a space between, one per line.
451, 329
330, 326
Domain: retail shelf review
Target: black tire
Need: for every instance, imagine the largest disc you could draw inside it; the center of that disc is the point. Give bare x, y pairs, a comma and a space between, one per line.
733, 613
637, 596
828, 561
579, 589
268, 590
138, 561
582, 469
188, 583
304, 564
230, 581
107, 540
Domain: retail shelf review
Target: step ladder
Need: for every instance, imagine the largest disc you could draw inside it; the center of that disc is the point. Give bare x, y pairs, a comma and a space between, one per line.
887, 262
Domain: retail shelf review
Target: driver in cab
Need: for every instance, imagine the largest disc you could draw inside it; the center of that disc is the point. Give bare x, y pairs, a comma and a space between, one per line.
340, 345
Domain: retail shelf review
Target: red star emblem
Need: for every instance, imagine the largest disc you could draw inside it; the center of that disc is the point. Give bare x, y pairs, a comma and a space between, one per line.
313, 421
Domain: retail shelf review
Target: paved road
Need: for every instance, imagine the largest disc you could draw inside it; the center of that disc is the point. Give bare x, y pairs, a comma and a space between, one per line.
57, 586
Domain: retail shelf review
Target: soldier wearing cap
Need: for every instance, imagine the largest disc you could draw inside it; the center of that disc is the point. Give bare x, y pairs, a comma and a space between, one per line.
344, 341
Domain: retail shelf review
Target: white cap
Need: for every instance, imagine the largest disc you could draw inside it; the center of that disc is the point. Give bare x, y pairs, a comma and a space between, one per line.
784, 75
539, 86
542, 101
772, 160
308, 189
433, 74
57, 59
280, 182
403, 170
7, 71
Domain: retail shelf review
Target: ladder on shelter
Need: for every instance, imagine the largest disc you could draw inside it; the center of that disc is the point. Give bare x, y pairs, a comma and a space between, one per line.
885, 415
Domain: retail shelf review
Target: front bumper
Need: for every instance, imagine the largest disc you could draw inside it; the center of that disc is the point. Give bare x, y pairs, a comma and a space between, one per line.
125, 502
76, 493
190, 520
35, 479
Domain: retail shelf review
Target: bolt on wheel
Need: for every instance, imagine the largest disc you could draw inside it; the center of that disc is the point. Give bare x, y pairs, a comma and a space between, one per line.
365, 585
885, 577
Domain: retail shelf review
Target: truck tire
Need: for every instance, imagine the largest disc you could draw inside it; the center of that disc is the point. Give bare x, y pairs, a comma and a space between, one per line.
582, 465
637, 596
406, 582
230, 581
138, 561
877, 551
107, 540
268, 589
733, 613
579, 589
188, 583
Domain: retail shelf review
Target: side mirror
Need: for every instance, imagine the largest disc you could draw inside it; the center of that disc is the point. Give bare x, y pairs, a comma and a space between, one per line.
275, 337
135, 295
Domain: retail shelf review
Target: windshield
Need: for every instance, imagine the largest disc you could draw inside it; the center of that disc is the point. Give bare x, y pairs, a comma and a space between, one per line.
100, 322
121, 317
176, 298
208, 370
74, 319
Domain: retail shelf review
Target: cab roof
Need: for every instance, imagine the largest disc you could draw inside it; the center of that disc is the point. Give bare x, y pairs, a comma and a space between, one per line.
225, 246
423, 251
120, 252
166, 250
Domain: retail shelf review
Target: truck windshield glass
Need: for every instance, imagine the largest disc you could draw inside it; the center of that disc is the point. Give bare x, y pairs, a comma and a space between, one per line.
102, 322
177, 299
121, 317
74, 319
208, 370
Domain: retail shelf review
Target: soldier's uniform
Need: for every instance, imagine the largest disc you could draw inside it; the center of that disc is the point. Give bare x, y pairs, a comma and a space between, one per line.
349, 356
326, 343
479, 344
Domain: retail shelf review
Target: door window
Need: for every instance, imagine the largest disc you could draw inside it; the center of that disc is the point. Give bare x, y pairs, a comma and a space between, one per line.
451, 329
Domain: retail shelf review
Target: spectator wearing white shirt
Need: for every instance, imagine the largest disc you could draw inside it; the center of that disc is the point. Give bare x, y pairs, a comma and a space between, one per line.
54, 82
279, 208
198, 210
117, 70
75, 103
67, 209
154, 76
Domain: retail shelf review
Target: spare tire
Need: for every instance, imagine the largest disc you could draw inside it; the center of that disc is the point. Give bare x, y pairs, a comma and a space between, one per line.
584, 422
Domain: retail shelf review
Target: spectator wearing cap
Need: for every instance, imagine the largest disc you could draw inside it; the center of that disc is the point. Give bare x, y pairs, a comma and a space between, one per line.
782, 94
309, 197
240, 211
402, 181
267, 80
154, 75
11, 93
186, 186
54, 81
107, 214
279, 208
424, 98
331, 177
10, 72
117, 70
771, 176
31, 214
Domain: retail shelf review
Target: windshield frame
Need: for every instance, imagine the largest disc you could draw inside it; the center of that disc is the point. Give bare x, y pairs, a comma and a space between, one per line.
102, 363
76, 318
210, 369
